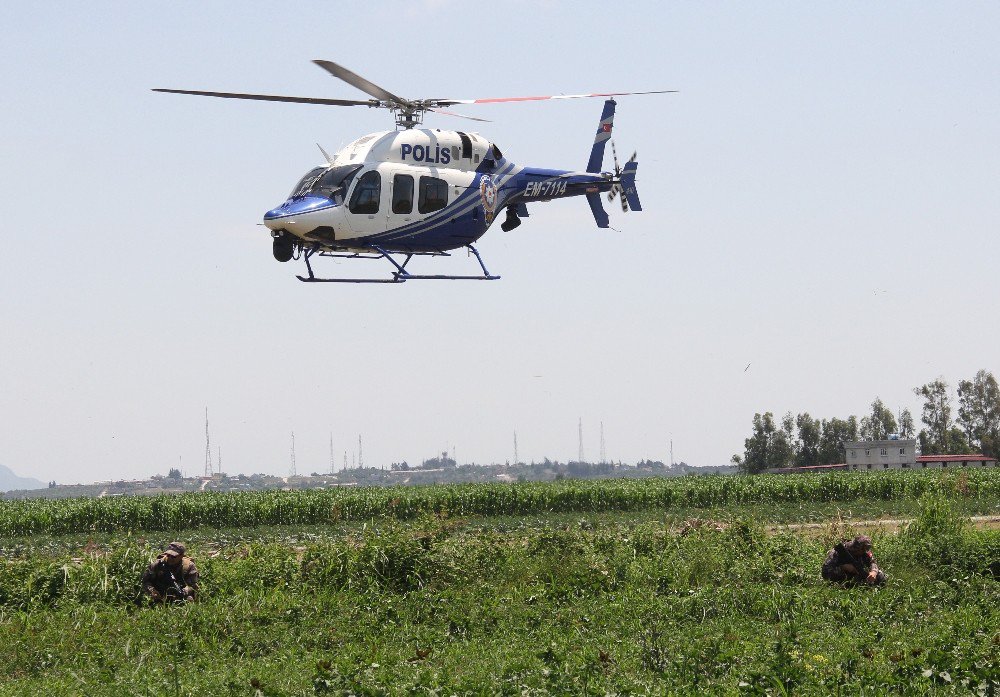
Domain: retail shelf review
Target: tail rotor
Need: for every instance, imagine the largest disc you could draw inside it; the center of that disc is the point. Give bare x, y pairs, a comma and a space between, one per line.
616, 187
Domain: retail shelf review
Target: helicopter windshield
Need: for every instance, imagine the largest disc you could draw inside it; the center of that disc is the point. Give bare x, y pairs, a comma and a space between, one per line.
334, 180
326, 182
305, 182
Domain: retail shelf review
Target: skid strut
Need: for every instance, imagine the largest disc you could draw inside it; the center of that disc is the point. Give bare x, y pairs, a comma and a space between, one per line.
400, 275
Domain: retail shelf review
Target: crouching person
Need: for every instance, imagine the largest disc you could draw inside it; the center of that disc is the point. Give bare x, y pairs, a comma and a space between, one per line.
171, 577
852, 561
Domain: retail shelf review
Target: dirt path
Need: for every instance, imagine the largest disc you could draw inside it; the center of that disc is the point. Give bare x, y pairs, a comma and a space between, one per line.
982, 522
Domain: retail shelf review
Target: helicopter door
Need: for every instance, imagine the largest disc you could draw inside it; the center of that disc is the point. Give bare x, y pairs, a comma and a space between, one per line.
402, 192
365, 204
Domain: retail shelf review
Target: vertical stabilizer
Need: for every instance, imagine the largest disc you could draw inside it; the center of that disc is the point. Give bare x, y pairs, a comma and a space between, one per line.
601, 139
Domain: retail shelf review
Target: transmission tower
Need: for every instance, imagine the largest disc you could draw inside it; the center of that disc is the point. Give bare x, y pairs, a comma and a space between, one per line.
208, 448
579, 457
515, 448
604, 455
218, 461
332, 466
361, 454
291, 470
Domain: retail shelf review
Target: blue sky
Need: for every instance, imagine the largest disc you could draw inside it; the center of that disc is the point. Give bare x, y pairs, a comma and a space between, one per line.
819, 201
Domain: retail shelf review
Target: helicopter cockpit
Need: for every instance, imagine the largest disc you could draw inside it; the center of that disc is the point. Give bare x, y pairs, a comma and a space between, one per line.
327, 182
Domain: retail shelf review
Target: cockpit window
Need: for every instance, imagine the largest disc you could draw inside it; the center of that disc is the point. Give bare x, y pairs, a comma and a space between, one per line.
334, 179
326, 182
366, 194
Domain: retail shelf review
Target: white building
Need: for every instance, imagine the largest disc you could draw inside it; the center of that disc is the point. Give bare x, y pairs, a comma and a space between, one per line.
887, 454
902, 454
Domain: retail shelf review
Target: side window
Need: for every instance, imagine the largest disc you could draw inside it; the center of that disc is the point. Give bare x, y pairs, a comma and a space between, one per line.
367, 193
402, 193
433, 194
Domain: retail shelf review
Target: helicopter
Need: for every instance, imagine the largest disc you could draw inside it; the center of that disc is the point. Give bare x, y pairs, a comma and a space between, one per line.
421, 191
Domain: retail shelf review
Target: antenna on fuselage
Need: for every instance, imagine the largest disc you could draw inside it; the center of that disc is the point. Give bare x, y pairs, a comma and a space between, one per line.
329, 160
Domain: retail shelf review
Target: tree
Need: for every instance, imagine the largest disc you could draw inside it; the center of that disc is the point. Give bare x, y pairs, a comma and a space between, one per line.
936, 415
769, 446
906, 429
979, 412
835, 433
879, 424
781, 449
810, 430
174, 473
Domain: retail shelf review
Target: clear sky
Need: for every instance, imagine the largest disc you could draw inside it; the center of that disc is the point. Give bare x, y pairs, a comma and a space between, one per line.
820, 201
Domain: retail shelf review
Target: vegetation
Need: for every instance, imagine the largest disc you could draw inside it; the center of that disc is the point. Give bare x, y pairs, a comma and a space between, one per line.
801, 440
569, 588
241, 509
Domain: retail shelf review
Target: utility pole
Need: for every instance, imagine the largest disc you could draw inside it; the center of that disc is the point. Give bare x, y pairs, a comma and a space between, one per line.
579, 457
218, 462
332, 469
291, 470
208, 448
604, 454
671, 452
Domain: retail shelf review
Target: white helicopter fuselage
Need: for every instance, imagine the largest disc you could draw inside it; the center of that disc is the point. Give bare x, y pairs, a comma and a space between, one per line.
421, 190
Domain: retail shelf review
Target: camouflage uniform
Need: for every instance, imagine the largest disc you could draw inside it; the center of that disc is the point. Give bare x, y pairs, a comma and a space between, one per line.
852, 552
160, 576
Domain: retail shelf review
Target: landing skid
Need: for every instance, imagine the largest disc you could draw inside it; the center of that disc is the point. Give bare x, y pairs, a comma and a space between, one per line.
400, 275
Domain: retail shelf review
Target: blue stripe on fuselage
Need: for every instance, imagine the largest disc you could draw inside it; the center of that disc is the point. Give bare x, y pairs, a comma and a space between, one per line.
450, 228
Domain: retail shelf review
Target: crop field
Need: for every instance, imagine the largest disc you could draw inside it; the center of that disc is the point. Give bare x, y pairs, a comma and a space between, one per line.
618, 587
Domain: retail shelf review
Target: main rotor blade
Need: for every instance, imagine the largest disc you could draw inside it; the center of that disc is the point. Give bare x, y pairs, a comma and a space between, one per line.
461, 116
271, 98
449, 102
362, 84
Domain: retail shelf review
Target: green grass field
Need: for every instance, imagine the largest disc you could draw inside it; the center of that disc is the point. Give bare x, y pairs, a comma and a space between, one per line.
427, 595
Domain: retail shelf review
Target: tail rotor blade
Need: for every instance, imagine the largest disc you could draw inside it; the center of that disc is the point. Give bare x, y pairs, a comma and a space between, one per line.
614, 154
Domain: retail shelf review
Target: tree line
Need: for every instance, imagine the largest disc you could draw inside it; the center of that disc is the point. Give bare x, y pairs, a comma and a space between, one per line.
801, 440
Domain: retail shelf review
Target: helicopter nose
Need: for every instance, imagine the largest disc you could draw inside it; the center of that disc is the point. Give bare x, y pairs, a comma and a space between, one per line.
285, 214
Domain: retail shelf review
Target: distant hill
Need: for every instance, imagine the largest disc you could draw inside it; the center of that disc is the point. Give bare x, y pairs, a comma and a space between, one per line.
10, 481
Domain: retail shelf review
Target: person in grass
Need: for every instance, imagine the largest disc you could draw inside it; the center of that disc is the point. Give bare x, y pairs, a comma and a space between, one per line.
171, 577
852, 561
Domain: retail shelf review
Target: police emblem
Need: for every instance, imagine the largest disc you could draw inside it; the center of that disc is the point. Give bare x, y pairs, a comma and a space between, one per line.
488, 195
